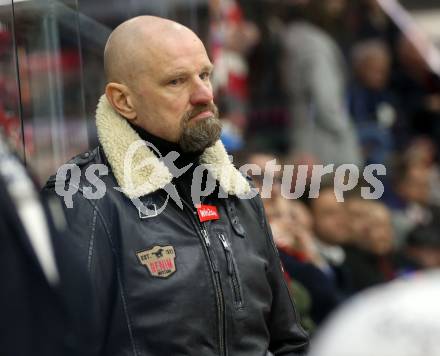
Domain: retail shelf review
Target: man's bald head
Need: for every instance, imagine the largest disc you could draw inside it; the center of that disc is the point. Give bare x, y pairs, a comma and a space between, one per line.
159, 78
132, 43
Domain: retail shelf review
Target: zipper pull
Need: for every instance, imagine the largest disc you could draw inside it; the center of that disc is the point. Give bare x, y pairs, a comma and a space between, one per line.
208, 247
227, 249
206, 237
224, 241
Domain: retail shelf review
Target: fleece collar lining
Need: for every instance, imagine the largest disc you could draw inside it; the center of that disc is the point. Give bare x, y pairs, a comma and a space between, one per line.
148, 174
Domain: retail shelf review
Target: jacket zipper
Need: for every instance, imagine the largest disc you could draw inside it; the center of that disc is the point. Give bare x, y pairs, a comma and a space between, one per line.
232, 271
219, 294
217, 283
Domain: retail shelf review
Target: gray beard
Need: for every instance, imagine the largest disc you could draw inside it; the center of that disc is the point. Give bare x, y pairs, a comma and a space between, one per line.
201, 135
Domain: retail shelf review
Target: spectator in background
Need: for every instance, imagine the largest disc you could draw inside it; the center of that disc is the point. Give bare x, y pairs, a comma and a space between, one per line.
271, 194
331, 228
411, 182
368, 253
372, 105
292, 228
289, 221
423, 150
421, 250
315, 83
322, 235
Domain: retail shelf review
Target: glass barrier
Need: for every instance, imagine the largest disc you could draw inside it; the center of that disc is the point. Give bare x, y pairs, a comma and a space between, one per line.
52, 92
10, 122
52, 70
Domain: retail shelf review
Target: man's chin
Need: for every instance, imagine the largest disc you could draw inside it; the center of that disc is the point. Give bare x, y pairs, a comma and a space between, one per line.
198, 136
196, 147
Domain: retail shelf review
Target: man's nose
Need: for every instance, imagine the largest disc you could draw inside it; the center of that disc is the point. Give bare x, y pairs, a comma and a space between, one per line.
202, 93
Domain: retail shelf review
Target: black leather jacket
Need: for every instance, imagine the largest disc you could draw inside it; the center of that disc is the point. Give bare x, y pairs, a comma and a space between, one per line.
167, 283
226, 296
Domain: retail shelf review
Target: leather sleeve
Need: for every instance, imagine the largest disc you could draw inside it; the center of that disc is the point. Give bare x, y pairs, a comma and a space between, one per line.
287, 336
89, 234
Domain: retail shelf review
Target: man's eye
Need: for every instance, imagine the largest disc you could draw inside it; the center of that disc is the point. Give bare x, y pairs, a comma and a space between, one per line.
205, 75
175, 82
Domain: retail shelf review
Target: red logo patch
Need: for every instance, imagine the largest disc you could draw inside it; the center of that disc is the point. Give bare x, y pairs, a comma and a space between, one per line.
207, 212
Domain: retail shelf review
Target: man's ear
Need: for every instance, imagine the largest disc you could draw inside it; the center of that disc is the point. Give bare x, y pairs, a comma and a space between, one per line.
119, 96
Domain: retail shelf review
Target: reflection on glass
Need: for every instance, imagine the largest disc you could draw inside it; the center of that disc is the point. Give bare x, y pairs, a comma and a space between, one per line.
50, 76
10, 122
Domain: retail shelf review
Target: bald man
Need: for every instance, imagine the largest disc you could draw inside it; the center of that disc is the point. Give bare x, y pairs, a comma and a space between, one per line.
173, 275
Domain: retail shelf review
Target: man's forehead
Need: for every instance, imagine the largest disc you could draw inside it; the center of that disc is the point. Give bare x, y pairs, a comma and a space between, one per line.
177, 42
175, 53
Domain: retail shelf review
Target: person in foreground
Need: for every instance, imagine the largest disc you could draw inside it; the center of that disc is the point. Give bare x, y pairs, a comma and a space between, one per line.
42, 283
397, 318
174, 276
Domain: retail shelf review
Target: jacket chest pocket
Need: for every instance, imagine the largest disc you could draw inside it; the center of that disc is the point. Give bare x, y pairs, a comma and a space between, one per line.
232, 271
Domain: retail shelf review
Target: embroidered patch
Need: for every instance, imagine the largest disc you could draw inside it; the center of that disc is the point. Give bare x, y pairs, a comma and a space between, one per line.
159, 260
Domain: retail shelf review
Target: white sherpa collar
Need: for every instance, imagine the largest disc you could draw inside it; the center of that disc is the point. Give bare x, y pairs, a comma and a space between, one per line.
146, 173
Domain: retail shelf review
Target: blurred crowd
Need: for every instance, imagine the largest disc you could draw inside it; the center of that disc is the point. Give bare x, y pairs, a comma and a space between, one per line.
309, 82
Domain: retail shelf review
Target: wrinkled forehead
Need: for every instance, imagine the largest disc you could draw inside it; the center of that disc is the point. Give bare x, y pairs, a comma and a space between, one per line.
178, 48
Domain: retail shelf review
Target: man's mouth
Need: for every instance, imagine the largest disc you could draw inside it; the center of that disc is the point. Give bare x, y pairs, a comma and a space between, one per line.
203, 115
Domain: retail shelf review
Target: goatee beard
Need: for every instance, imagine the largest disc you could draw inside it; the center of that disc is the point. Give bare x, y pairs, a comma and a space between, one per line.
202, 134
